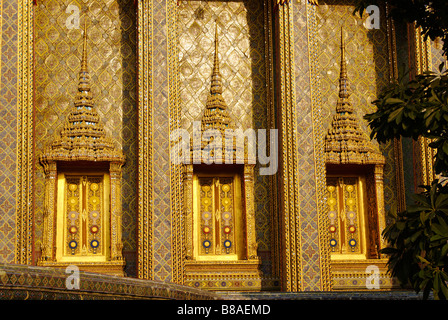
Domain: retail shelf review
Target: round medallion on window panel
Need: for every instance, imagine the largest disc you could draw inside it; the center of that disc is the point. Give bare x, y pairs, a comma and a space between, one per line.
332, 216
72, 216
205, 202
94, 187
351, 202
94, 200
206, 229
227, 244
331, 188
94, 243
94, 215
351, 216
226, 202
332, 229
206, 216
352, 229
73, 229
72, 244
207, 244
227, 230
349, 188
72, 187
226, 215
333, 243
225, 188
94, 229
72, 201
352, 243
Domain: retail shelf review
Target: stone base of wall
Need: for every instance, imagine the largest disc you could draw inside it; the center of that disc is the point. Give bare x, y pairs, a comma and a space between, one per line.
47, 283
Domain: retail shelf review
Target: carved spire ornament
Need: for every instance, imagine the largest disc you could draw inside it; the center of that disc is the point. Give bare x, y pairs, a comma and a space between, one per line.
215, 115
216, 120
83, 136
346, 142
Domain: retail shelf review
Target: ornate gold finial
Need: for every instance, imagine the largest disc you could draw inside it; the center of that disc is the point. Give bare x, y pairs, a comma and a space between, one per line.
346, 142
84, 49
343, 79
215, 115
84, 96
216, 84
83, 136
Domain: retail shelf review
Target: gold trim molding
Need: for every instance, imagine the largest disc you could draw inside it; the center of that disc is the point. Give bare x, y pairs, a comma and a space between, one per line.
25, 133
145, 140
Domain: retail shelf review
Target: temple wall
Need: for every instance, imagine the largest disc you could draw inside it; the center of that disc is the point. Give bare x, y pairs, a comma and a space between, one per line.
172, 69
111, 27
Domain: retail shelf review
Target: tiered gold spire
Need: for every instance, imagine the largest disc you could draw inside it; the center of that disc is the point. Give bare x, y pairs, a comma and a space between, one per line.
346, 142
83, 136
215, 115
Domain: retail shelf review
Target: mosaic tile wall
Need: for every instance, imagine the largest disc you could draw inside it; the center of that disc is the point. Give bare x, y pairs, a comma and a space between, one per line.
8, 125
112, 66
367, 68
162, 215
308, 248
241, 38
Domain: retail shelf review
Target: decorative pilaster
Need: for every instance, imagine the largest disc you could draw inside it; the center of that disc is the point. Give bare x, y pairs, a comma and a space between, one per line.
160, 247
381, 213
145, 140
116, 243
47, 246
25, 153
188, 209
305, 264
250, 212
289, 202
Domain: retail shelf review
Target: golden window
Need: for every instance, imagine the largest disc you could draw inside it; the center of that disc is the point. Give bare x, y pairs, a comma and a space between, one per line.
83, 217
346, 199
218, 221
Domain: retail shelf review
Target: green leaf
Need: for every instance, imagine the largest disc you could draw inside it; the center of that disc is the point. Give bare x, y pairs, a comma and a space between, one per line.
394, 114
436, 285
444, 290
421, 199
423, 260
437, 228
424, 215
442, 222
445, 147
444, 250
393, 101
416, 235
